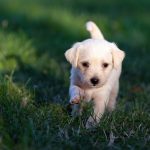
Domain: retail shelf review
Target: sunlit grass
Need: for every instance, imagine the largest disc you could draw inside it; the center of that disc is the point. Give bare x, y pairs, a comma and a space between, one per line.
15, 46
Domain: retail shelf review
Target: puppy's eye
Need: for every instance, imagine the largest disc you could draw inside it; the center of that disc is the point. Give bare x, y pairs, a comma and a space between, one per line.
105, 65
85, 64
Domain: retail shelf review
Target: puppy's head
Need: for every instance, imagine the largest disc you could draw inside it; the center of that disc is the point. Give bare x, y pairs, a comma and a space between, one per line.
94, 59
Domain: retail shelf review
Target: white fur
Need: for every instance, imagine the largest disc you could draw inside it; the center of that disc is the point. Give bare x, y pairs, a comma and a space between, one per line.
94, 30
95, 52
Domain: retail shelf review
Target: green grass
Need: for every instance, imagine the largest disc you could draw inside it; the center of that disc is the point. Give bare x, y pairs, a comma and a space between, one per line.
34, 75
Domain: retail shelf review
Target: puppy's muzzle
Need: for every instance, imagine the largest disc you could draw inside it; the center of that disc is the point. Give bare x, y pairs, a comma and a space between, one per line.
94, 81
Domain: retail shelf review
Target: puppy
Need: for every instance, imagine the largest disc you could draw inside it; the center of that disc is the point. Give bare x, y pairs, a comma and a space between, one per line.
96, 68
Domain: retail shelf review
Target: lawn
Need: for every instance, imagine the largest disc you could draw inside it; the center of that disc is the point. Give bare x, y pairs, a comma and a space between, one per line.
34, 75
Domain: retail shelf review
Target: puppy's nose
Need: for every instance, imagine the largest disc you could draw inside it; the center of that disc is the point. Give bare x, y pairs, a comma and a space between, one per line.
94, 80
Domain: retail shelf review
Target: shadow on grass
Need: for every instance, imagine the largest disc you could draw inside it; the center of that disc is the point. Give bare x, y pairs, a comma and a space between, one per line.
47, 82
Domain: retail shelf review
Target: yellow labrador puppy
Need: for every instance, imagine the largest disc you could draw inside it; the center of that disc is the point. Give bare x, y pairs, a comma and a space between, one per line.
96, 68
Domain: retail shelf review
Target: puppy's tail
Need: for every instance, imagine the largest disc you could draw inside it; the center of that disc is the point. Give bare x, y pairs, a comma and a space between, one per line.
94, 30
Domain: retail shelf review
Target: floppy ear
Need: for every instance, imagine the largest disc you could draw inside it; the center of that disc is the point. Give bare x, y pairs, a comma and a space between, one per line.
118, 55
72, 54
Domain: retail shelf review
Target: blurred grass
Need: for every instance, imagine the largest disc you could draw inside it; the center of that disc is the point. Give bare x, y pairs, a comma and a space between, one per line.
35, 75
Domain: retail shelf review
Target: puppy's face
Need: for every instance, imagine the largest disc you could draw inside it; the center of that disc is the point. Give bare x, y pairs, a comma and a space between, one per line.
94, 60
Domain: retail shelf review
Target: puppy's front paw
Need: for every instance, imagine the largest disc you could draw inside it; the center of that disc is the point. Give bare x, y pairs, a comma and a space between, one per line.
75, 100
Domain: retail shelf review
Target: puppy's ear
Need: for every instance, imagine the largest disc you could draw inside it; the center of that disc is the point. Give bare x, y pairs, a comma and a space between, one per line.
118, 55
73, 53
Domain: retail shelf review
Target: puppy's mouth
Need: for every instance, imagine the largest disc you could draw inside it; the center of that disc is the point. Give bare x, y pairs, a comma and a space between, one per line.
95, 86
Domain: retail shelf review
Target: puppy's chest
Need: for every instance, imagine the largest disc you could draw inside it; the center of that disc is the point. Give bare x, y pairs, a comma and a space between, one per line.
88, 95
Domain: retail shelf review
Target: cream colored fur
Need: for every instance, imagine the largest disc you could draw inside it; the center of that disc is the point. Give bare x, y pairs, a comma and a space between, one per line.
94, 58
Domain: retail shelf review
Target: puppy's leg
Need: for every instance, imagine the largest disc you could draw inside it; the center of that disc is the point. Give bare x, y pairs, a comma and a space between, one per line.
113, 95
75, 94
100, 103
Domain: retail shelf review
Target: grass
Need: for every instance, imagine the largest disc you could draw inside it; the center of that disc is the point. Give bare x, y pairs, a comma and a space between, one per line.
34, 75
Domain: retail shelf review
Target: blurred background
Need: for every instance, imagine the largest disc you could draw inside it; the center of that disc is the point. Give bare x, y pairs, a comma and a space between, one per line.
34, 34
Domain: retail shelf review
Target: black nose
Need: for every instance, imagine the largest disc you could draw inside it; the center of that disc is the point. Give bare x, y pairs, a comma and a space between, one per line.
94, 80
